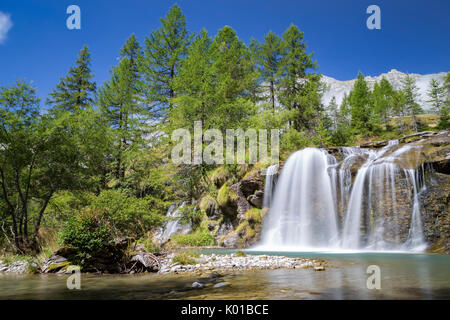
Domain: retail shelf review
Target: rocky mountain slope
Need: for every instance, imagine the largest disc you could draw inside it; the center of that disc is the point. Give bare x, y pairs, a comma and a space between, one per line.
338, 88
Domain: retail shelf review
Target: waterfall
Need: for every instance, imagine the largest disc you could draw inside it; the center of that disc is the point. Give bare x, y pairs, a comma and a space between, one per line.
302, 211
366, 201
271, 172
173, 224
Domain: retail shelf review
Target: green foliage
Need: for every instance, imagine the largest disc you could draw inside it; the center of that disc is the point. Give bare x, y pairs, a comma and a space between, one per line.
253, 215
222, 195
87, 232
163, 51
411, 94
201, 237
149, 244
128, 215
293, 140
75, 91
361, 108
184, 258
240, 254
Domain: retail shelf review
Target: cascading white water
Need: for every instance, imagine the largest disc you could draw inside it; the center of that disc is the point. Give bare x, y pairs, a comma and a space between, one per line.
174, 224
302, 211
316, 196
271, 172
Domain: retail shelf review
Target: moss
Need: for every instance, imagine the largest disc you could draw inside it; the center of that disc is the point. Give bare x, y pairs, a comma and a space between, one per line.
222, 196
241, 228
220, 176
253, 215
249, 233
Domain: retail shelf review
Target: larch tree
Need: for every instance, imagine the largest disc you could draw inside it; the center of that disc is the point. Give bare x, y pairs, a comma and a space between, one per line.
163, 51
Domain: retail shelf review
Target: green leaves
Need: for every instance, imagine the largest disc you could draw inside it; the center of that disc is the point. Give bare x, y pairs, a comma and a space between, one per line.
163, 51
75, 91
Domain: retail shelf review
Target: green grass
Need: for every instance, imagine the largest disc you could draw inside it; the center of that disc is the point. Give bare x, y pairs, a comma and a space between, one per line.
199, 238
240, 254
184, 258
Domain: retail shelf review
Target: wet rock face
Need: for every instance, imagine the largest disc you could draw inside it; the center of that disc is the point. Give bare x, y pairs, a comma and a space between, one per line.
435, 201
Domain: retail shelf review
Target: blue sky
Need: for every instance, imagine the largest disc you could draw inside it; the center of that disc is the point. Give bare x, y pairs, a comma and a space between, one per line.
414, 35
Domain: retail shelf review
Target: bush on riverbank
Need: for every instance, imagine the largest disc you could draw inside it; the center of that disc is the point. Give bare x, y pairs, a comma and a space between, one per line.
87, 232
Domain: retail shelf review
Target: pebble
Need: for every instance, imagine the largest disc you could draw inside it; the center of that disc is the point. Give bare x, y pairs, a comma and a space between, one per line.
221, 284
197, 285
209, 263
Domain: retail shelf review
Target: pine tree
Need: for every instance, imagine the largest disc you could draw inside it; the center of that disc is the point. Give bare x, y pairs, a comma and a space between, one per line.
299, 91
436, 93
334, 112
195, 85
444, 117
268, 57
361, 108
383, 99
410, 91
119, 101
75, 91
234, 79
164, 49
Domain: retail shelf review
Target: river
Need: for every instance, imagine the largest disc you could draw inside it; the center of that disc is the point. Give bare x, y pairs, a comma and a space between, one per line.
403, 276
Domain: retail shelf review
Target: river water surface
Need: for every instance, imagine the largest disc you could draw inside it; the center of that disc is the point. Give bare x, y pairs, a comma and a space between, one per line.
403, 276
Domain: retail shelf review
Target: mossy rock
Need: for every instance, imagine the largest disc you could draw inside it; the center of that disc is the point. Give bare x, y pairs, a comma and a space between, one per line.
220, 176
222, 196
254, 215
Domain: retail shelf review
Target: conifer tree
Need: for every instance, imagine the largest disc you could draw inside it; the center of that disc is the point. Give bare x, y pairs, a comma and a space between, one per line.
195, 85
410, 91
268, 57
382, 99
299, 91
163, 51
361, 108
75, 91
436, 93
234, 79
119, 101
334, 112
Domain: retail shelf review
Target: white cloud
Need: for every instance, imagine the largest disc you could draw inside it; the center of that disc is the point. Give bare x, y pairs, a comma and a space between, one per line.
5, 25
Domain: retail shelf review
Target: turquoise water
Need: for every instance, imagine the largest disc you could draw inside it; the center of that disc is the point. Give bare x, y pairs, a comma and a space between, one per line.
403, 276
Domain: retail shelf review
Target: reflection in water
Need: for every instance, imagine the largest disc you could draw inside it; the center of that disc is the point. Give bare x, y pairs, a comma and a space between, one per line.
403, 276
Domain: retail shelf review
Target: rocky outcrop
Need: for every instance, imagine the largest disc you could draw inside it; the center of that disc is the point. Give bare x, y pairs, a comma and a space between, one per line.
120, 256
435, 201
241, 197
19, 267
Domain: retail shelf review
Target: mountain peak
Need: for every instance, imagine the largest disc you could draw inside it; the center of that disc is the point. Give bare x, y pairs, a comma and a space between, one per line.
337, 88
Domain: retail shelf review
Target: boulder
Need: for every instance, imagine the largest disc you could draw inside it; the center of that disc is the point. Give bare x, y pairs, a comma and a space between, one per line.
232, 240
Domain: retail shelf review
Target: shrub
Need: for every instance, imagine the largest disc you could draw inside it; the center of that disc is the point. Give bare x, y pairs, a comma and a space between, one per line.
200, 237
129, 216
184, 258
208, 205
87, 232
240, 254
148, 243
